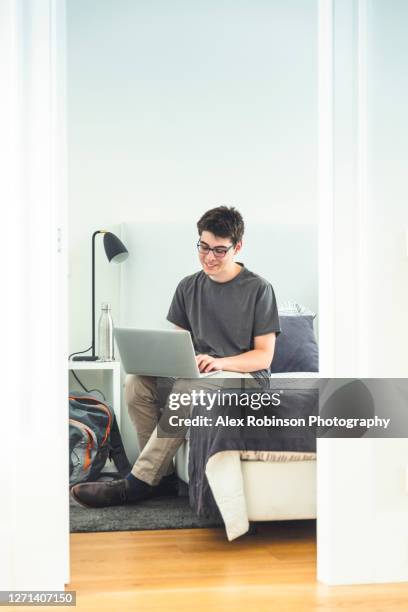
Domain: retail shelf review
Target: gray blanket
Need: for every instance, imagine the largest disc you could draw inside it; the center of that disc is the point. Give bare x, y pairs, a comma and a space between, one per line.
298, 398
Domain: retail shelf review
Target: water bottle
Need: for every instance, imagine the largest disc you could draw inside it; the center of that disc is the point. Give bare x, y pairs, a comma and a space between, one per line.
105, 334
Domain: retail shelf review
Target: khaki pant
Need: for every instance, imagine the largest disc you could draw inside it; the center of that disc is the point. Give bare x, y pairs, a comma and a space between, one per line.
147, 400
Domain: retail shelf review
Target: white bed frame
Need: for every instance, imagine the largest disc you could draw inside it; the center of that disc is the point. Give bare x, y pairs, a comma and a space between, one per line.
273, 491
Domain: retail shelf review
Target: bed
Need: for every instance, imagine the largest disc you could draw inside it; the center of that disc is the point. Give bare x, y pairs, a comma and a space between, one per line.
250, 486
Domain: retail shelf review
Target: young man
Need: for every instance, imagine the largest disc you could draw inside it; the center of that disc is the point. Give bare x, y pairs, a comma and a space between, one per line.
233, 319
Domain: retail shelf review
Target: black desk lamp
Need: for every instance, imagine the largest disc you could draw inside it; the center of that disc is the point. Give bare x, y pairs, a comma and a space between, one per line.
115, 251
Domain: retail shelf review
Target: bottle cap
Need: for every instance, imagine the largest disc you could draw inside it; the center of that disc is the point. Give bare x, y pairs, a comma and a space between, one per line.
106, 306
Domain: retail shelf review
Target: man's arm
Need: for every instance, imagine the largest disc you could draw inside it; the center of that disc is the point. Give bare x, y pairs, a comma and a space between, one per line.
259, 358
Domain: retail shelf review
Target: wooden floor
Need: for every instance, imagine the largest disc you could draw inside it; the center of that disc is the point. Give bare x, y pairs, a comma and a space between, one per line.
198, 569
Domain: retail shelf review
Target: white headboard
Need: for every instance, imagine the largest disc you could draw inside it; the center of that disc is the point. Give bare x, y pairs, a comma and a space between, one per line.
160, 255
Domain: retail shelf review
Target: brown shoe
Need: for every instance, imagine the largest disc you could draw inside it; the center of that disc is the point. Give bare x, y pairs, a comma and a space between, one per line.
108, 493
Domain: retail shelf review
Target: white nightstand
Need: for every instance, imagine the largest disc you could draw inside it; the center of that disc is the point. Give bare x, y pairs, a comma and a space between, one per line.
103, 375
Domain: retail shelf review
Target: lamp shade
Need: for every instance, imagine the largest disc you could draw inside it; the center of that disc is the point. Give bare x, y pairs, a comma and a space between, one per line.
114, 248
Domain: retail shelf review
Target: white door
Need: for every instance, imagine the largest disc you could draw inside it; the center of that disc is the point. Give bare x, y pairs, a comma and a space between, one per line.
363, 288
34, 521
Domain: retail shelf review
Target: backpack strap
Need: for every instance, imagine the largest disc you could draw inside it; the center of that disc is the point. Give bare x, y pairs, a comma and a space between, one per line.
117, 451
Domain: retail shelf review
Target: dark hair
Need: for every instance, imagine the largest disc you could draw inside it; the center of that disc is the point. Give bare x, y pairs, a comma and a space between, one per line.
223, 222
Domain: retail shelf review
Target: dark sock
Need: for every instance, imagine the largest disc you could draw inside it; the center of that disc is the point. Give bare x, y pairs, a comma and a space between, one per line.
169, 477
137, 488
168, 485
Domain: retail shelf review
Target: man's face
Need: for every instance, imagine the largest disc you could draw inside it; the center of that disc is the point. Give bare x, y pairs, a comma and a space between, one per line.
215, 263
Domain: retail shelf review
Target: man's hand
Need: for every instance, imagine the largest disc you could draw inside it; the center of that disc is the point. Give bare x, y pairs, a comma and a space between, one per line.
206, 363
258, 358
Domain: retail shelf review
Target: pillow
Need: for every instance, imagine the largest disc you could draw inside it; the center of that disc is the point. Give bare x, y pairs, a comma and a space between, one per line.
296, 348
292, 307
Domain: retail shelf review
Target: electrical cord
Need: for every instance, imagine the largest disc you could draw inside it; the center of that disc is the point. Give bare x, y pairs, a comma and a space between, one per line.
79, 352
83, 386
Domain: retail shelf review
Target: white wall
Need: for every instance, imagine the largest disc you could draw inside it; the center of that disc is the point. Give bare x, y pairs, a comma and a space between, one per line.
177, 107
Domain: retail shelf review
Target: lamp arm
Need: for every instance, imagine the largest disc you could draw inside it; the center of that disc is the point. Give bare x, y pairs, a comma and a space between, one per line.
92, 357
93, 289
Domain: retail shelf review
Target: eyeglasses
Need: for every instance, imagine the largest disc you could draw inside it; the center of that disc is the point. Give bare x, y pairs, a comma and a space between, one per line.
218, 251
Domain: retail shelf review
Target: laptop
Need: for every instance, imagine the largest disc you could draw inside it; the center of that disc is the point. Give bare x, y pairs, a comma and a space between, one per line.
157, 352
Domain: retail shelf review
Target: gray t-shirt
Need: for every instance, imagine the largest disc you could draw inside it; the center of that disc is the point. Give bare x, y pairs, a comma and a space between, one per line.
224, 318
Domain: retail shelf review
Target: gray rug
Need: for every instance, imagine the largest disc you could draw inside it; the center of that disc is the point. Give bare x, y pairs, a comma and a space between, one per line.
158, 513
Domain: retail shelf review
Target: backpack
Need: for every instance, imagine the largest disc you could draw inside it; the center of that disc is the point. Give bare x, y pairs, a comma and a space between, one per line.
93, 438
